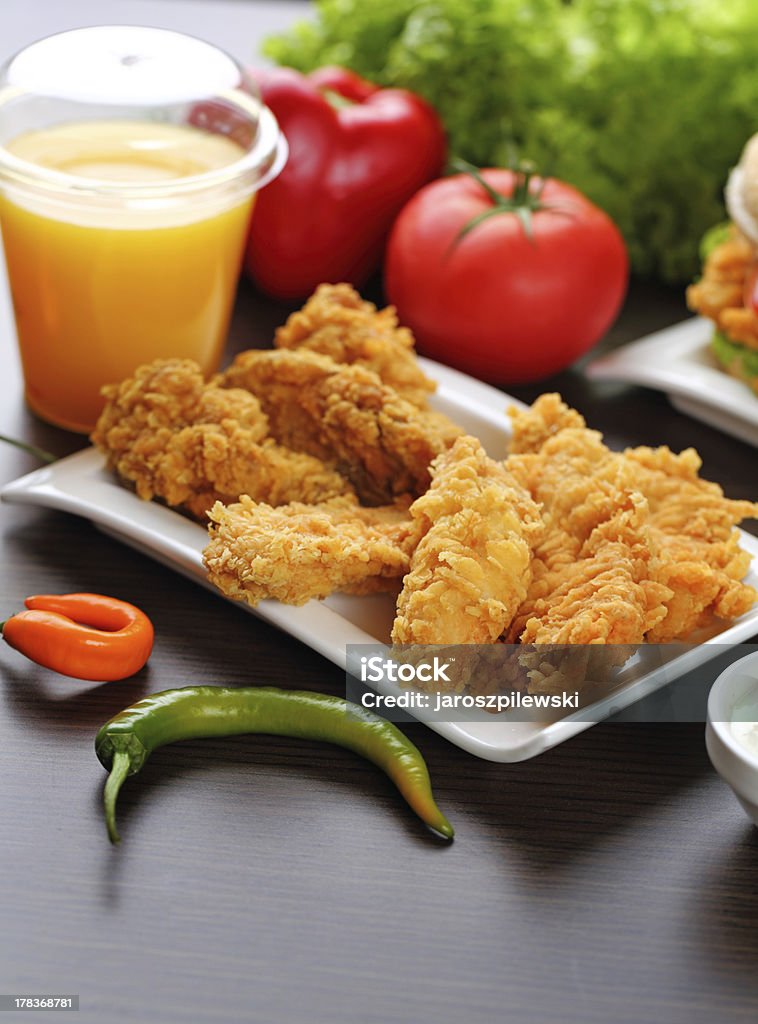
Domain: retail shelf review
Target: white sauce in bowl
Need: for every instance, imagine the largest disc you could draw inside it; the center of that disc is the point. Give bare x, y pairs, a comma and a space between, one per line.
744, 723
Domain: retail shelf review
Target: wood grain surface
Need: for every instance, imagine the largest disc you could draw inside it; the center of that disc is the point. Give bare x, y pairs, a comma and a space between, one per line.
270, 880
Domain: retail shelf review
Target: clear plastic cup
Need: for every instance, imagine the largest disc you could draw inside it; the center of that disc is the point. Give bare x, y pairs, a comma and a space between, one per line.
129, 162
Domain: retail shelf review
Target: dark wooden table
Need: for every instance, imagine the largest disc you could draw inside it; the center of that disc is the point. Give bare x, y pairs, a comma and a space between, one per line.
610, 880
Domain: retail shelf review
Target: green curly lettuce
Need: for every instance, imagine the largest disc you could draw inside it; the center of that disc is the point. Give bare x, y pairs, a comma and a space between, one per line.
643, 105
736, 359
713, 238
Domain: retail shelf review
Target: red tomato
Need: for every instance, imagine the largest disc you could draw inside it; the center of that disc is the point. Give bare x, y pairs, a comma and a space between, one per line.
500, 302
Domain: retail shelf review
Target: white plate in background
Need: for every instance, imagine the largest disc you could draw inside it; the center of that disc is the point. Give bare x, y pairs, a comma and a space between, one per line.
81, 485
678, 360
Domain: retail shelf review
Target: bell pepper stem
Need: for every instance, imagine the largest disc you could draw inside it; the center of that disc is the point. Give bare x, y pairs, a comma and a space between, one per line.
336, 99
119, 771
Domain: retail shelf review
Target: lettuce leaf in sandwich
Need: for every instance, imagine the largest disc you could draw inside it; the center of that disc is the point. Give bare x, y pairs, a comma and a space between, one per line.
737, 359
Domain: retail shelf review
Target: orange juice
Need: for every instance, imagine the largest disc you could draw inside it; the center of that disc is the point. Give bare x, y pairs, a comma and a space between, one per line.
97, 289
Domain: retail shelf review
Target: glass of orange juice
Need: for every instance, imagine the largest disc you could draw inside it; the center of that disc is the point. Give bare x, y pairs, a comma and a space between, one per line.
129, 162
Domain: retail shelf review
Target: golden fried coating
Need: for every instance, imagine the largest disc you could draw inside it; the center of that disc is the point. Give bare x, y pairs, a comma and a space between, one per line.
532, 427
471, 568
692, 525
639, 523
297, 552
566, 543
606, 595
586, 668
190, 443
337, 322
345, 416
719, 294
593, 574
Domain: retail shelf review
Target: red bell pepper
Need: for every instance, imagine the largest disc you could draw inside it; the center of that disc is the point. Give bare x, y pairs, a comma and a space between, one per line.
357, 154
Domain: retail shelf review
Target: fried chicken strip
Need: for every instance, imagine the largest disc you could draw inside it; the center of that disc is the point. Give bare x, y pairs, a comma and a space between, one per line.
694, 564
471, 569
190, 443
594, 571
337, 322
693, 527
297, 552
345, 416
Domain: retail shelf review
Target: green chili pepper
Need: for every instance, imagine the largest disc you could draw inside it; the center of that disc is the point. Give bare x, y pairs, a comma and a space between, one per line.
126, 741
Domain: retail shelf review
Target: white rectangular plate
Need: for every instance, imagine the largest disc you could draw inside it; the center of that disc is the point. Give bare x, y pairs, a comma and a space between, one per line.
678, 360
80, 484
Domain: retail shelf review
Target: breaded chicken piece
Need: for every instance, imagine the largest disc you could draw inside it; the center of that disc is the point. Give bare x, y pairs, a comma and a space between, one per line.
594, 569
472, 567
190, 443
297, 552
345, 416
694, 564
606, 596
337, 322
546, 417
693, 527
719, 294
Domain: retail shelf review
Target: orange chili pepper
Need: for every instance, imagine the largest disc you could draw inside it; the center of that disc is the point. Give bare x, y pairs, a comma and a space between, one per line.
87, 636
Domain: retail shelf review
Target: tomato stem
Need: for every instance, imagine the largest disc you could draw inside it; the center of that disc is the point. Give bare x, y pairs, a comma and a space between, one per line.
523, 201
464, 167
484, 215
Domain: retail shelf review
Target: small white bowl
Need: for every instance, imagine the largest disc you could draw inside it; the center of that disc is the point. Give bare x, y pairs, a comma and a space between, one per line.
735, 763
